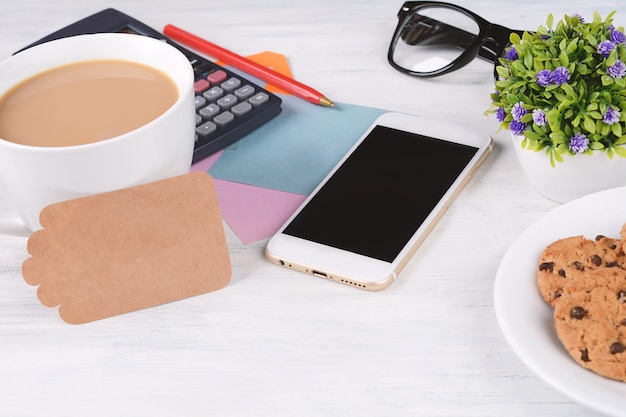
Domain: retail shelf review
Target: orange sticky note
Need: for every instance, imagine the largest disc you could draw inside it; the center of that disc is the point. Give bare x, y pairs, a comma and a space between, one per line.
277, 62
118, 252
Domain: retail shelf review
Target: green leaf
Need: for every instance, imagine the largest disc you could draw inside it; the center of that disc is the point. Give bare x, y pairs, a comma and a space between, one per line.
571, 48
609, 153
617, 129
589, 125
532, 135
550, 21
620, 151
514, 38
596, 146
559, 137
607, 80
583, 69
610, 61
517, 67
568, 131
553, 120
569, 90
527, 118
591, 40
524, 143
596, 17
502, 72
528, 61
558, 156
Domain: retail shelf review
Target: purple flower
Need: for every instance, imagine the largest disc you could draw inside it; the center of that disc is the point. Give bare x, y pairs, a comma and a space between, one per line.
518, 111
611, 116
578, 143
605, 48
517, 128
582, 19
539, 117
559, 76
617, 36
500, 114
511, 54
543, 78
617, 70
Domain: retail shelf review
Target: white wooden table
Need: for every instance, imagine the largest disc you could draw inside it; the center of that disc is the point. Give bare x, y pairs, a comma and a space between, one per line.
276, 342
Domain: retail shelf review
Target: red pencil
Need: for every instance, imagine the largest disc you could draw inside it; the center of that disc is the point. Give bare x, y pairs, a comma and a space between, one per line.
250, 67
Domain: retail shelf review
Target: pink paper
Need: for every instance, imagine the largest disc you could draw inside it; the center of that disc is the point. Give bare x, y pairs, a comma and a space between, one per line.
255, 213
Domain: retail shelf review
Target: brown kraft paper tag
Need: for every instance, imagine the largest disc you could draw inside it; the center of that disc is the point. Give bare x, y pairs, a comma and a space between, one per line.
114, 253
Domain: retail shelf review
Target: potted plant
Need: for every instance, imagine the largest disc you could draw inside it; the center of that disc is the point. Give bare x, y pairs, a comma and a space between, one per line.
561, 92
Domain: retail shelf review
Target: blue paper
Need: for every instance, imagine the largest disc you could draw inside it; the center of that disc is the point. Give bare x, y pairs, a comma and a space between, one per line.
297, 149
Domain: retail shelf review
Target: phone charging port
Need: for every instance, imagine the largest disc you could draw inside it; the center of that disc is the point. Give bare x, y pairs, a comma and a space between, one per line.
319, 274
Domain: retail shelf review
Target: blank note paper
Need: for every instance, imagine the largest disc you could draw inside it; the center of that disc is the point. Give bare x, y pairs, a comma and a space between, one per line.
122, 251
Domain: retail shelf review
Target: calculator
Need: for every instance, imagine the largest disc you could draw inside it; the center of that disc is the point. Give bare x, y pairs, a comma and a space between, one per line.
228, 105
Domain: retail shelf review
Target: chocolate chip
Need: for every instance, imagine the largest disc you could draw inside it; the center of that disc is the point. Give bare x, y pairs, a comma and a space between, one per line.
562, 273
613, 246
600, 237
578, 266
596, 260
611, 264
546, 266
577, 313
621, 296
584, 355
617, 347
623, 322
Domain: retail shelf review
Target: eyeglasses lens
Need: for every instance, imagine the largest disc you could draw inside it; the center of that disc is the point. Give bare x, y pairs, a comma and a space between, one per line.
432, 38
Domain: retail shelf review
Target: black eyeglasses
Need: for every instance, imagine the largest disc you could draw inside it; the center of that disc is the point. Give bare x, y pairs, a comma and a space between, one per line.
435, 38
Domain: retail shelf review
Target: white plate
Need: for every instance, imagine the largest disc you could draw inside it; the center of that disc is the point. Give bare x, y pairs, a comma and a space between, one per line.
526, 320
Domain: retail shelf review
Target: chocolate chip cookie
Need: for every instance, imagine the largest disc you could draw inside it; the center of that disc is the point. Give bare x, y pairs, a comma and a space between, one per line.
570, 258
591, 324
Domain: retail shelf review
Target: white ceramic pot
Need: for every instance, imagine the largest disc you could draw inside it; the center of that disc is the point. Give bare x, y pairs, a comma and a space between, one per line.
575, 177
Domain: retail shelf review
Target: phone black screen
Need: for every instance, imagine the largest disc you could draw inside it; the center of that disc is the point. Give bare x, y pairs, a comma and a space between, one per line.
382, 193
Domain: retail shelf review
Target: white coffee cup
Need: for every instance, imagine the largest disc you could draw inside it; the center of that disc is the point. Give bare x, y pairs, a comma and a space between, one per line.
32, 177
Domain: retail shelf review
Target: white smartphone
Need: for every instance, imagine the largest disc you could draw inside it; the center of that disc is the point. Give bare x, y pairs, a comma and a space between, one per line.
365, 220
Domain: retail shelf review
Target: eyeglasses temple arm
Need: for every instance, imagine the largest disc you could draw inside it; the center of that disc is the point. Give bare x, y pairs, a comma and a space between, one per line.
491, 51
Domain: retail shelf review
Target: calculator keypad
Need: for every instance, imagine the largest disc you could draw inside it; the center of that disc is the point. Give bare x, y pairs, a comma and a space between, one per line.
228, 106
221, 99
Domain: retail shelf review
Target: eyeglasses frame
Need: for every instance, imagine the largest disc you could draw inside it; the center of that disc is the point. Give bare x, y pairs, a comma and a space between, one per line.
489, 44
